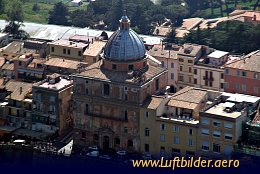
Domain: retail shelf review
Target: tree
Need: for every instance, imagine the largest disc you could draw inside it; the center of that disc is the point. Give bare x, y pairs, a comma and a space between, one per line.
59, 14
36, 7
15, 20
116, 14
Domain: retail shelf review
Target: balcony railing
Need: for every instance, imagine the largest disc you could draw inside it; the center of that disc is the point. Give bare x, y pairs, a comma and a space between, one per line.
208, 78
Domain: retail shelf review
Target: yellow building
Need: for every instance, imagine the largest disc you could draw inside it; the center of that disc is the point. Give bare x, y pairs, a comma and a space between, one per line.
169, 125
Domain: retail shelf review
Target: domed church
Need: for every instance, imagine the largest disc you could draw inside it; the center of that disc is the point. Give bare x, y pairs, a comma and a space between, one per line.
110, 93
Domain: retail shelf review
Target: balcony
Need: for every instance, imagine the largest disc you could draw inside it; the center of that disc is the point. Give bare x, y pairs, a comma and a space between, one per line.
181, 118
208, 78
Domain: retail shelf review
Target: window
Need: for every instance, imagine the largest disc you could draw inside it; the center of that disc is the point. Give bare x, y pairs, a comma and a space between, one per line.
226, 71
162, 137
176, 140
244, 74
68, 51
195, 71
162, 63
228, 125
216, 148
83, 135
181, 60
130, 67
94, 59
125, 130
238, 72
172, 65
86, 90
181, 78
20, 63
52, 49
256, 76
117, 141
146, 132
126, 97
130, 143
210, 83
146, 147
176, 128
205, 145
205, 121
228, 136
237, 86
172, 76
86, 81
204, 131
216, 123
216, 134
114, 66
190, 61
189, 69
222, 75
190, 142
86, 109
256, 89
162, 150
106, 89
195, 81
243, 87
162, 126
190, 131
157, 84
52, 99
64, 51
180, 68
221, 85
79, 53
146, 114
126, 115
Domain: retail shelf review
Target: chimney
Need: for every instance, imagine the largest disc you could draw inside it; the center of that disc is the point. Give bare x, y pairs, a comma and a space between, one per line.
21, 90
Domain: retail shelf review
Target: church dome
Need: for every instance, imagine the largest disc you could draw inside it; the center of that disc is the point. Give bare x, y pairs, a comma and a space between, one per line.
124, 44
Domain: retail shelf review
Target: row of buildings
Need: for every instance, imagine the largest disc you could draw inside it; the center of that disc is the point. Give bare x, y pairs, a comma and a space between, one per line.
171, 100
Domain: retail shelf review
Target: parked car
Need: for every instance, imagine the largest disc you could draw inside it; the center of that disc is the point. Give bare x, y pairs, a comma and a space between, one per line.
147, 156
121, 152
106, 157
93, 148
93, 154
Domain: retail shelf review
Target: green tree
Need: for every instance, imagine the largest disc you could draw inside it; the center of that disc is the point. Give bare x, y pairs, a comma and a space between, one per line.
59, 14
15, 20
36, 7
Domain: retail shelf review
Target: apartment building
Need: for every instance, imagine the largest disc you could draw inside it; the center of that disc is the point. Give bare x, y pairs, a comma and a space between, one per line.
243, 75
92, 53
167, 55
221, 123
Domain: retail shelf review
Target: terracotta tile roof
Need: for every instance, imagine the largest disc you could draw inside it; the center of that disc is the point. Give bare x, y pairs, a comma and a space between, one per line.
97, 71
154, 102
8, 66
35, 62
19, 89
250, 63
251, 14
192, 49
2, 61
63, 63
188, 97
94, 49
159, 51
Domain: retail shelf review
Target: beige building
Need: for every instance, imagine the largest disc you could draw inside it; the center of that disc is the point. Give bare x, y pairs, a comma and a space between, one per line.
91, 54
68, 49
187, 56
221, 123
209, 71
167, 55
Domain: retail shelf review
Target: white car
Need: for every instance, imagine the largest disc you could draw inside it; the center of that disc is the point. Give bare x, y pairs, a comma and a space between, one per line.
106, 157
121, 152
93, 154
93, 148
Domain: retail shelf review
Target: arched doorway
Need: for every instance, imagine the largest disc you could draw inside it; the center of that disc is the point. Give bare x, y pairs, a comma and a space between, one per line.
105, 142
